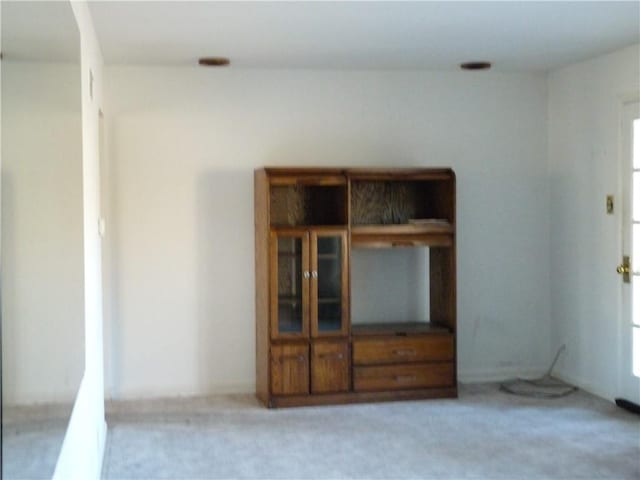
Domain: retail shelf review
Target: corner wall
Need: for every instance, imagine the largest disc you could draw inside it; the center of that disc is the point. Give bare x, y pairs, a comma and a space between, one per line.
584, 106
83, 447
184, 142
42, 238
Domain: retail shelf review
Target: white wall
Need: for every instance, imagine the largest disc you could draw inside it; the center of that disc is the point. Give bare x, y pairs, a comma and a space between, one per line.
374, 299
184, 143
42, 272
1, 256
83, 448
585, 101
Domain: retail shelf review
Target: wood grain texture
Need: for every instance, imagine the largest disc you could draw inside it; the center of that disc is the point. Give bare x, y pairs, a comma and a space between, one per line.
327, 179
442, 286
261, 219
399, 240
289, 369
360, 397
402, 229
402, 329
392, 349
408, 208
275, 235
330, 367
401, 377
340, 233
292, 172
399, 174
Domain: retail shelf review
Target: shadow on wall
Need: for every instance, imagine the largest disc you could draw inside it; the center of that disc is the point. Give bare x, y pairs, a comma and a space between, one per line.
225, 281
8, 242
326, 149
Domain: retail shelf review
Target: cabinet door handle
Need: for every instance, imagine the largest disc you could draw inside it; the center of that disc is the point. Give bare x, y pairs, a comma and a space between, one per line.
306, 274
314, 274
404, 352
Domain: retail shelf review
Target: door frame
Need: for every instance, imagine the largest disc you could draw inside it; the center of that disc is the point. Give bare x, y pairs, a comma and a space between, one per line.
628, 385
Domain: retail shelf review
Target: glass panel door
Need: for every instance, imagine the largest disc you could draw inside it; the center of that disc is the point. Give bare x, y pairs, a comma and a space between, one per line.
329, 280
635, 249
289, 307
629, 268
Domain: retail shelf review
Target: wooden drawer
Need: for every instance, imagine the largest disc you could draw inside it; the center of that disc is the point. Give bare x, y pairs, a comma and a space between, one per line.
289, 369
401, 377
393, 349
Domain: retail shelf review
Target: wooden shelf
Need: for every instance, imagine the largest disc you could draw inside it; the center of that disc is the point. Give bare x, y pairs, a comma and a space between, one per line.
398, 328
386, 174
405, 228
403, 235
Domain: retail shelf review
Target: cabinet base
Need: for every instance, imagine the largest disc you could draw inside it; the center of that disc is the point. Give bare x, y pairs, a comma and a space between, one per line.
358, 397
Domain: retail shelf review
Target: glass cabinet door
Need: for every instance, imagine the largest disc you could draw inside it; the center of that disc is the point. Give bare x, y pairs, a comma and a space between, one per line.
329, 299
290, 296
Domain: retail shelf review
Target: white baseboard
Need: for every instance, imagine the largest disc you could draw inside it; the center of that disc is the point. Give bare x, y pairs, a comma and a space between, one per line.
234, 389
102, 445
225, 389
584, 385
487, 375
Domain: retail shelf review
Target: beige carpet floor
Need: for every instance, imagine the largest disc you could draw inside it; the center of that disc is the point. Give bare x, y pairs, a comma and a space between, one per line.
31, 440
485, 434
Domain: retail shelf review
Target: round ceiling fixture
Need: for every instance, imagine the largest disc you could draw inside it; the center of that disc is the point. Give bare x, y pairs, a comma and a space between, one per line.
475, 65
214, 61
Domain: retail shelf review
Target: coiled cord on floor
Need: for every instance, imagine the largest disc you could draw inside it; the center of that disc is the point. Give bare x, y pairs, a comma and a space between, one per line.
542, 387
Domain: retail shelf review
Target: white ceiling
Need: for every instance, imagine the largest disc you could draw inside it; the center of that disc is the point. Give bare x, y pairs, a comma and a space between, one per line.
515, 36
42, 31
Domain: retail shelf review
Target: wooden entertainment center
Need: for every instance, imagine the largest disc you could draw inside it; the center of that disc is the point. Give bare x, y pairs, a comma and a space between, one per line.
307, 223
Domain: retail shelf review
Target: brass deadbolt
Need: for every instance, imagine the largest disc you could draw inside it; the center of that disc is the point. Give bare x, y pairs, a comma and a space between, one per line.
624, 269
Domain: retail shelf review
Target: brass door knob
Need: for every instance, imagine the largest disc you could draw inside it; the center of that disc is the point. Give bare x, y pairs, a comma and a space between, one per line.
623, 269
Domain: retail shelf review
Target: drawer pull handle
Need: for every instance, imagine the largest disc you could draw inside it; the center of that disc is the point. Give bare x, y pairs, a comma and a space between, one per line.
331, 356
405, 378
404, 352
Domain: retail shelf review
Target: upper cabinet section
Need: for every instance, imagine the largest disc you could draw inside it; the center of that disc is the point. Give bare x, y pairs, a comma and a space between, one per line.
309, 197
402, 207
382, 207
387, 197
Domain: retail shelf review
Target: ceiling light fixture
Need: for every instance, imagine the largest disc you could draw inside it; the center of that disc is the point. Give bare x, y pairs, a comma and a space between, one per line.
475, 65
213, 61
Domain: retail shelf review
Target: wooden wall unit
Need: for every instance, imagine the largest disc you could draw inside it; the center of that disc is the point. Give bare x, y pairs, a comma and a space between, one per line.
307, 221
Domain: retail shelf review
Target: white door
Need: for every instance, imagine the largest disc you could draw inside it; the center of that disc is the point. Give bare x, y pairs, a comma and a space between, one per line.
629, 268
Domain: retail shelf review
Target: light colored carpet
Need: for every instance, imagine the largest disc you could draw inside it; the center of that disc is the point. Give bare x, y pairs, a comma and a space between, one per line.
483, 434
31, 440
